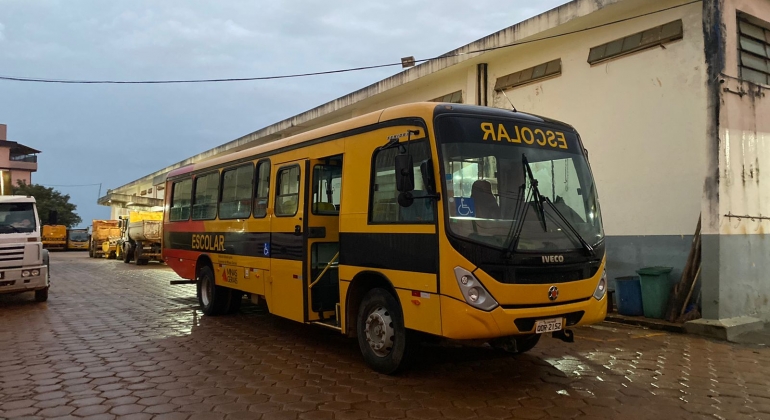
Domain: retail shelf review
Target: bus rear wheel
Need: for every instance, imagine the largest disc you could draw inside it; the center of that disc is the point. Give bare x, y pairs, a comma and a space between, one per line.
382, 336
213, 299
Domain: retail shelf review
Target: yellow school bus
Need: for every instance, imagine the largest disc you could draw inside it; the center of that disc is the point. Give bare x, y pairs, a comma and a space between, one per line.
77, 239
455, 221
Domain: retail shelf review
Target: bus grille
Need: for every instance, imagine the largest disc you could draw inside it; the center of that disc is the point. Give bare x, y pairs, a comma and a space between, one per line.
542, 274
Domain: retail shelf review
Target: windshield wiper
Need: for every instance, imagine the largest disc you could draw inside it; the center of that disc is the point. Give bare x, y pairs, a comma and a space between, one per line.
571, 228
535, 191
15, 229
522, 208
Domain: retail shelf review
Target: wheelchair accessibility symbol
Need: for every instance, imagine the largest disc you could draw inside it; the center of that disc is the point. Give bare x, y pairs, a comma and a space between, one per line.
465, 207
266, 250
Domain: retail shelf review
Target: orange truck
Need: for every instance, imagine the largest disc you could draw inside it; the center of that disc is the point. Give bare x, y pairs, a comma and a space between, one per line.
101, 232
55, 237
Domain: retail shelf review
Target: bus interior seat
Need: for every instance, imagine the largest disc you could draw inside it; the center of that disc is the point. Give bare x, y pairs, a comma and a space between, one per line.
287, 206
484, 201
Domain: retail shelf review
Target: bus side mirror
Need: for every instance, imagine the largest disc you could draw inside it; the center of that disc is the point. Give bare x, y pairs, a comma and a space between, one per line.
404, 173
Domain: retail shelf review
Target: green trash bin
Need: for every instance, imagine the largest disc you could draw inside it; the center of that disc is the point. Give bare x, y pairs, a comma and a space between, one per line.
656, 289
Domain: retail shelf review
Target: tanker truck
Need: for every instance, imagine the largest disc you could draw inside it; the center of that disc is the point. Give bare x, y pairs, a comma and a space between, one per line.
141, 236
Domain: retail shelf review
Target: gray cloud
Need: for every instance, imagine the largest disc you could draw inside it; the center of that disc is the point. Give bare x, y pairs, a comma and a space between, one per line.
115, 134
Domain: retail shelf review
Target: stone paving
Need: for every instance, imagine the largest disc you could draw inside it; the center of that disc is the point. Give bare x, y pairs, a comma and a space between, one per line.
117, 341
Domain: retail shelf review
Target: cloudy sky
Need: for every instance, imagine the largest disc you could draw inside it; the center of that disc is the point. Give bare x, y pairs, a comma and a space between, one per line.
114, 134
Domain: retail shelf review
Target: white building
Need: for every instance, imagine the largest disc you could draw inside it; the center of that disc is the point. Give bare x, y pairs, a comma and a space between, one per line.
670, 99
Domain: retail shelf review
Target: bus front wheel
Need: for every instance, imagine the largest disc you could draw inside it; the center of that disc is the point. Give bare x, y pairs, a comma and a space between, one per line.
212, 298
382, 336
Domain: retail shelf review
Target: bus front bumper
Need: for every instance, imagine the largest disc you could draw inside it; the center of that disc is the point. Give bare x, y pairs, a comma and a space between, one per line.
461, 321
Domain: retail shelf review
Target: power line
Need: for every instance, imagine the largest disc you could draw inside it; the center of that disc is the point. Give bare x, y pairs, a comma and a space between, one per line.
346, 70
71, 185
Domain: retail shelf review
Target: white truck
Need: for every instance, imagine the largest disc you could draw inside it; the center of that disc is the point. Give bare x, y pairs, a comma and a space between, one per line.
23, 261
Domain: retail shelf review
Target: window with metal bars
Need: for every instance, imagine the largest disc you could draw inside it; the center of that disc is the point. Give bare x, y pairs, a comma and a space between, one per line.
754, 49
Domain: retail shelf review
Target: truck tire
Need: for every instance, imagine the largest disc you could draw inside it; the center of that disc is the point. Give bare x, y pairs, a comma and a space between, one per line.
41, 295
385, 343
213, 299
126, 253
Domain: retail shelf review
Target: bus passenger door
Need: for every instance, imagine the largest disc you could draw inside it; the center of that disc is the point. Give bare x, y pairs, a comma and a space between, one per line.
323, 231
285, 290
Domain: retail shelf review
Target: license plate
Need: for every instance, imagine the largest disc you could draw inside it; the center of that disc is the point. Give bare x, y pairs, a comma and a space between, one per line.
548, 325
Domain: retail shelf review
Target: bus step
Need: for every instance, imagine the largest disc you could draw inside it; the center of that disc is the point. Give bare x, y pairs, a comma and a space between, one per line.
328, 323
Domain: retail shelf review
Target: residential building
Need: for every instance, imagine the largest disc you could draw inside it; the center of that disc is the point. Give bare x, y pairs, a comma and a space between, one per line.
17, 162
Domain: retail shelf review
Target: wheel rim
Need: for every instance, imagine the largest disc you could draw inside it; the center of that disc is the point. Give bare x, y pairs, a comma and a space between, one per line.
206, 291
379, 331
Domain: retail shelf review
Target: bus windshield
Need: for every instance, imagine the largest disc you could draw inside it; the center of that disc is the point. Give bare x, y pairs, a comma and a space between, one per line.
78, 236
17, 218
490, 195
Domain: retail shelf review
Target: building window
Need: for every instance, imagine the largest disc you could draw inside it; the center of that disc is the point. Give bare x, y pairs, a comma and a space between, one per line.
287, 196
206, 191
384, 195
181, 192
453, 98
532, 74
236, 192
639, 41
754, 49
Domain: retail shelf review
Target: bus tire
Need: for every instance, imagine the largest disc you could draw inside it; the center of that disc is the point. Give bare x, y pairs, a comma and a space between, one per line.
527, 342
382, 337
213, 299
516, 345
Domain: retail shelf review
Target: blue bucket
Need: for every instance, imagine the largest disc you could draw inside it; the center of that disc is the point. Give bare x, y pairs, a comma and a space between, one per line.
629, 295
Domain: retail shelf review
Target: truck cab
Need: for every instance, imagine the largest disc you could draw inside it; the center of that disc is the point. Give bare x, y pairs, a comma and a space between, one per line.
23, 261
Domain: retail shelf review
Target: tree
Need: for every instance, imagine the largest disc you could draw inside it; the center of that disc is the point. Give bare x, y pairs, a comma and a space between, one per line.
49, 199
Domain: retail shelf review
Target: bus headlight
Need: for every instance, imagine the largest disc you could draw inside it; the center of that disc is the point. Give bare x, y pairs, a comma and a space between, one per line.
601, 288
473, 291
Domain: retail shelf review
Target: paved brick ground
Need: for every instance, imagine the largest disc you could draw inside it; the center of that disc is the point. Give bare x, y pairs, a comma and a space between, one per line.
117, 341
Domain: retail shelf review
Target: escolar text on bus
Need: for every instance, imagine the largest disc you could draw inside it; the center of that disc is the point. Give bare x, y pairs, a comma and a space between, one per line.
208, 242
545, 138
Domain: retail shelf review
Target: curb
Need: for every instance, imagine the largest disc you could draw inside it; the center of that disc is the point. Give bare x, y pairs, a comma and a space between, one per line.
639, 321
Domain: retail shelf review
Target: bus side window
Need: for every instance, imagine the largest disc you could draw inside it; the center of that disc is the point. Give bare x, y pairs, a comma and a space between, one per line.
384, 196
262, 193
327, 184
236, 192
181, 192
287, 194
206, 192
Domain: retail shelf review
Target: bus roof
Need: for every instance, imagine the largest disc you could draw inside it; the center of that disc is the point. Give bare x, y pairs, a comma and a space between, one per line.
398, 111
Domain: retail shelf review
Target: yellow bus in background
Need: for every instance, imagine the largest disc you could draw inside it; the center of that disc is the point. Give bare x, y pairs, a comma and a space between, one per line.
77, 239
55, 237
455, 221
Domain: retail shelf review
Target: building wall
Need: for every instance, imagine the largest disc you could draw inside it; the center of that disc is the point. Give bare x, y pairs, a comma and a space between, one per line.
737, 252
643, 118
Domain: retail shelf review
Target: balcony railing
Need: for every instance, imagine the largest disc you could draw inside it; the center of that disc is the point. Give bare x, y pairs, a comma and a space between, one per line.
24, 158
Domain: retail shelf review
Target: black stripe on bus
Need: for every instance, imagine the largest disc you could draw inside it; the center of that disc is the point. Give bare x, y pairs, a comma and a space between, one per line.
285, 246
416, 252
414, 121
